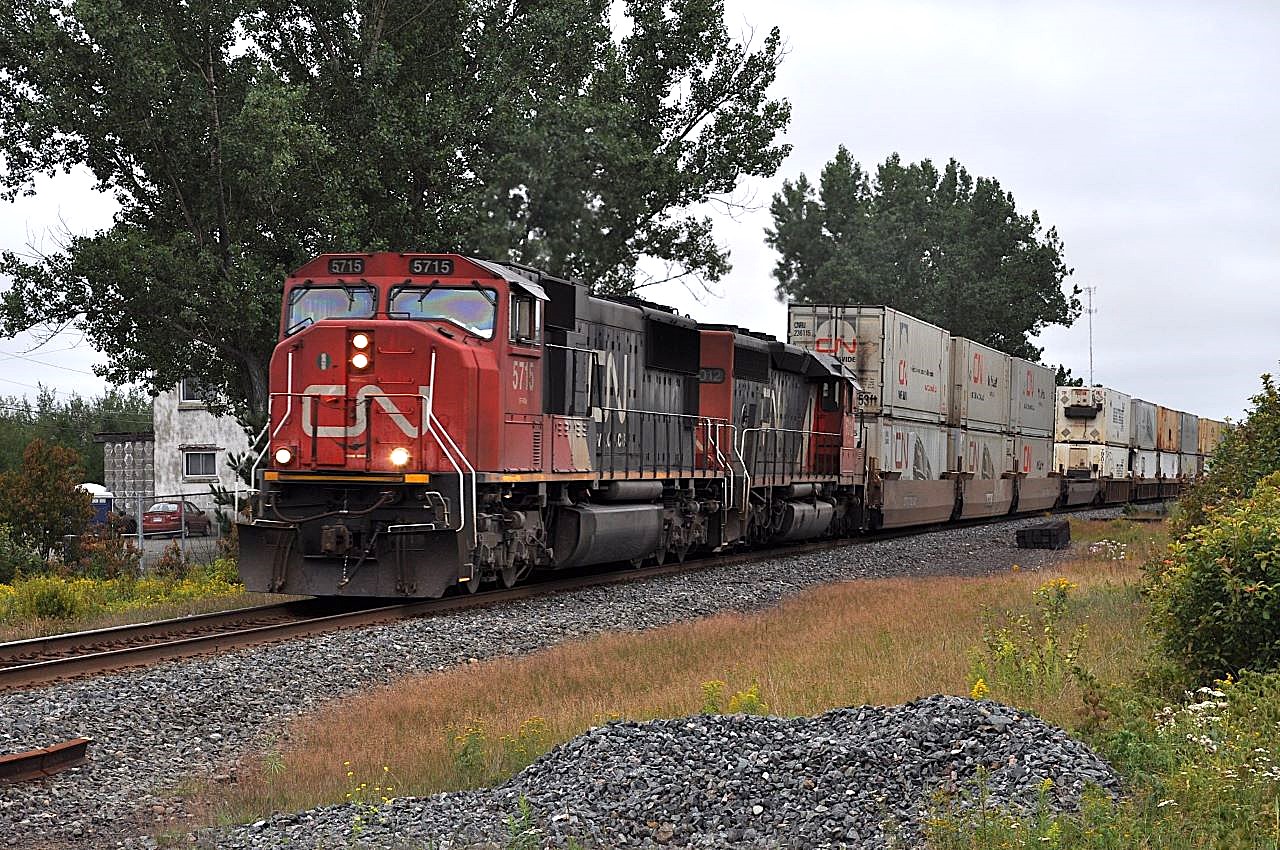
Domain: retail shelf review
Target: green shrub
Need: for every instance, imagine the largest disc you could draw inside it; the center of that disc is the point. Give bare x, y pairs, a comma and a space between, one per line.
1248, 453
108, 557
1216, 596
49, 598
17, 559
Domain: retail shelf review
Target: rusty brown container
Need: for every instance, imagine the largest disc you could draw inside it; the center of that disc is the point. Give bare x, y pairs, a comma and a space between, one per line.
1168, 430
1211, 433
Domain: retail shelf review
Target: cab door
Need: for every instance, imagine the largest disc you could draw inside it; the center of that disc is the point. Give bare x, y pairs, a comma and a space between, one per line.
522, 384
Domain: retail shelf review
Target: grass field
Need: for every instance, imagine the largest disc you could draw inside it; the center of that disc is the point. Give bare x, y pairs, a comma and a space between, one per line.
870, 641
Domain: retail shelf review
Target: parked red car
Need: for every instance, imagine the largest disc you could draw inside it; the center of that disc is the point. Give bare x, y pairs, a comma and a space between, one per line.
166, 518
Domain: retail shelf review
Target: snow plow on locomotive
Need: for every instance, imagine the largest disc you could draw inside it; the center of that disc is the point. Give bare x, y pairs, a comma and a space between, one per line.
438, 420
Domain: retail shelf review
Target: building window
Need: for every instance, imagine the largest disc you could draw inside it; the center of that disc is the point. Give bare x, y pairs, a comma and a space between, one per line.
200, 464
189, 391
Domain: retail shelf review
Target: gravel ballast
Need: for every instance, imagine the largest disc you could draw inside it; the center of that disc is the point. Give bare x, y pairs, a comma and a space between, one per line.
156, 728
853, 777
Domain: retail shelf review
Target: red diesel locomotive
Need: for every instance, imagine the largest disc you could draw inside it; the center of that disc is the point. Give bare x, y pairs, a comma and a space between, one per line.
439, 420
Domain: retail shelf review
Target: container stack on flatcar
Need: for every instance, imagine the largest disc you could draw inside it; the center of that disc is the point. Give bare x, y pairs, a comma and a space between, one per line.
1092, 448
903, 367
1144, 461
981, 442
1032, 403
1209, 436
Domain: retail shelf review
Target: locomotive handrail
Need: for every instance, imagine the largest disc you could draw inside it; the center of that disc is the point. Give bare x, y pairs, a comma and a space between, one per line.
746, 491
288, 411
697, 420
429, 418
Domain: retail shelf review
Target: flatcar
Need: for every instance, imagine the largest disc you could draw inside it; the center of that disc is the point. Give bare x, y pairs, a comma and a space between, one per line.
441, 421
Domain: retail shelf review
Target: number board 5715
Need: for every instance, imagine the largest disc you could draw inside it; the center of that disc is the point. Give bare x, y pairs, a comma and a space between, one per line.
438, 266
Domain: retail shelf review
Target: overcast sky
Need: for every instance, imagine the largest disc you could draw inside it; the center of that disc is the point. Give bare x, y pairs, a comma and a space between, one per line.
1147, 133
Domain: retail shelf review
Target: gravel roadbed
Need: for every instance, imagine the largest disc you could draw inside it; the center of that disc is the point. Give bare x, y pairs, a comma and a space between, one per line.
854, 777
155, 728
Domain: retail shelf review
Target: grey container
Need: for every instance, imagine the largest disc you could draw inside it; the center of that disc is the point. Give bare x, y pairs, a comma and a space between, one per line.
1142, 425
1190, 429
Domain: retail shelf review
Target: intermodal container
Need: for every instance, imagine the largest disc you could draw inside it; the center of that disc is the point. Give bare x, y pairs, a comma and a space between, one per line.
1168, 430
1144, 463
1188, 466
1210, 435
1033, 456
1091, 460
1092, 415
1190, 431
915, 451
982, 454
1142, 425
1167, 464
979, 386
1031, 399
902, 363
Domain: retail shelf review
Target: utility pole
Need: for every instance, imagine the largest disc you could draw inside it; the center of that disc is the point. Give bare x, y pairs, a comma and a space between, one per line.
1090, 312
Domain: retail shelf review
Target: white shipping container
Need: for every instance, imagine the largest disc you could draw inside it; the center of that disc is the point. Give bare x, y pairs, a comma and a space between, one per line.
914, 451
902, 363
981, 454
1167, 464
1099, 461
1033, 456
1031, 399
979, 386
1144, 463
1188, 466
1092, 415
1142, 425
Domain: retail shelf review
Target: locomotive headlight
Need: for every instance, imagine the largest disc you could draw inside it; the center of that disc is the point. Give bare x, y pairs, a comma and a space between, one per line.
359, 360
399, 456
283, 456
360, 342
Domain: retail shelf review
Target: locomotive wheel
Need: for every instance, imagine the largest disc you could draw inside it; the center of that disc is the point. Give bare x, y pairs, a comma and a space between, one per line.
507, 577
472, 584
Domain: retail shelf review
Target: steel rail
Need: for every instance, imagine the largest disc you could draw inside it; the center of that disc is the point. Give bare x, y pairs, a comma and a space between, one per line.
44, 672
36, 764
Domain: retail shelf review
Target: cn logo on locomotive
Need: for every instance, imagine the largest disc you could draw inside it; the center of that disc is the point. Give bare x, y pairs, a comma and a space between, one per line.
356, 428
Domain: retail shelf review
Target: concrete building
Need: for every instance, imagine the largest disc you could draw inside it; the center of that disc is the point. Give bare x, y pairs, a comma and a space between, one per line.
192, 446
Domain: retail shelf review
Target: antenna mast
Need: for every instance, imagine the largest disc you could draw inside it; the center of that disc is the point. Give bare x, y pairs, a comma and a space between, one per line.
1090, 312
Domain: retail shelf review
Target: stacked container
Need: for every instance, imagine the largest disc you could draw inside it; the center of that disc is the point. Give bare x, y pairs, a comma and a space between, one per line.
1093, 434
1189, 458
1210, 435
1143, 458
981, 446
1031, 412
903, 365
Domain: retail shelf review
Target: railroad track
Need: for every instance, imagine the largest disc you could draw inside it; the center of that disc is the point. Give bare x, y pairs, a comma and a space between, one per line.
28, 663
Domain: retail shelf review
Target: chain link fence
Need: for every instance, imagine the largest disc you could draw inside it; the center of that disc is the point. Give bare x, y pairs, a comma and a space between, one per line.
189, 526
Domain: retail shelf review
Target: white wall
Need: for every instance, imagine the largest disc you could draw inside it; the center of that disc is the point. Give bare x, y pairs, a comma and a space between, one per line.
187, 426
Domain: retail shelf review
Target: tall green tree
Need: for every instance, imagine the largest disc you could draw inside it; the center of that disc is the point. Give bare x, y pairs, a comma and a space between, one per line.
939, 244
242, 137
40, 500
70, 421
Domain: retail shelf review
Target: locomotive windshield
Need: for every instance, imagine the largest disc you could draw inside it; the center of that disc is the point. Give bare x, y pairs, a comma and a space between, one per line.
310, 304
473, 309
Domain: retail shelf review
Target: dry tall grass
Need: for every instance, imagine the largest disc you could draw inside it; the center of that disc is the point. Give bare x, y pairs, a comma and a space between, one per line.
874, 641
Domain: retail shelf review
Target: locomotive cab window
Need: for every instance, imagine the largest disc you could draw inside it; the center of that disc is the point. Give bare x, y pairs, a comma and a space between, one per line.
310, 304
526, 319
473, 308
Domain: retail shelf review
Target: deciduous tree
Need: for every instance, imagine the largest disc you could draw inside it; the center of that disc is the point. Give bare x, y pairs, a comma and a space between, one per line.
40, 501
242, 137
939, 244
